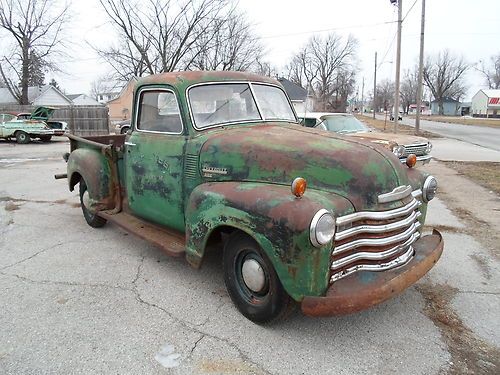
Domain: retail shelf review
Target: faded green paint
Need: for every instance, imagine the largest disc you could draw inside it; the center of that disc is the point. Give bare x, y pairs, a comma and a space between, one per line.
165, 182
278, 221
154, 176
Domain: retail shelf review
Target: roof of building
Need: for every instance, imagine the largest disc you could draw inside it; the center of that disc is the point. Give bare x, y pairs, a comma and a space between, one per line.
446, 99
73, 96
492, 93
7, 98
294, 91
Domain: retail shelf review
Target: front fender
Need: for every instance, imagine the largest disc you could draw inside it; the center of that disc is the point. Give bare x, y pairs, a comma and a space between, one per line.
95, 169
275, 219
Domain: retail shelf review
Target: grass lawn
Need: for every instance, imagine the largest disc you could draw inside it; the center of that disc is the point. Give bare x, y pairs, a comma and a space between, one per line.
493, 122
387, 127
484, 173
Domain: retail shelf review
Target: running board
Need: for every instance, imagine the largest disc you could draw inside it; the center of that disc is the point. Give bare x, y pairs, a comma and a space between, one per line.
172, 243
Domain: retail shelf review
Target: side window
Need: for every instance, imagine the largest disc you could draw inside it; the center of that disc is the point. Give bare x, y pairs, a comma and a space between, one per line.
159, 112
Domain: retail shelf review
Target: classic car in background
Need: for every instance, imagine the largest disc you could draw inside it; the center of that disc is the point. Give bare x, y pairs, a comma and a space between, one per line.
23, 130
44, 114
343, 123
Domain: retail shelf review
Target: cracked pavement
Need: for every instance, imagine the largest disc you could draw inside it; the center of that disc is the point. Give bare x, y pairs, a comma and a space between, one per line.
80, 300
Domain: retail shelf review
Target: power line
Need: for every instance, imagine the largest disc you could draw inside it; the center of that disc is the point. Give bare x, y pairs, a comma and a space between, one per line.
409, 10
330, 29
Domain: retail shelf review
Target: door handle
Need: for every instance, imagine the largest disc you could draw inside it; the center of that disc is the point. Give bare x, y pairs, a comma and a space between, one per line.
129, 144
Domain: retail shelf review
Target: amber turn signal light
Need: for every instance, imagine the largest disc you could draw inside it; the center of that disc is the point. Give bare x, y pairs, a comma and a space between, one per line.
299, 187
411, 160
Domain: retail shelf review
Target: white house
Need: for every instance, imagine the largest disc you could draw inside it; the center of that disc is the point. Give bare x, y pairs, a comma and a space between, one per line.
45, 96
82, 99
486, 103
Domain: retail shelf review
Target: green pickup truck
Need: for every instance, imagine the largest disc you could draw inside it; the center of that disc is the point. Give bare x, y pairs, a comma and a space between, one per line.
218, 159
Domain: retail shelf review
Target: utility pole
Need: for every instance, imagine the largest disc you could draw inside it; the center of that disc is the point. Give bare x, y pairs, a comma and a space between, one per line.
362, 95
420, 70
398, 64
375, 87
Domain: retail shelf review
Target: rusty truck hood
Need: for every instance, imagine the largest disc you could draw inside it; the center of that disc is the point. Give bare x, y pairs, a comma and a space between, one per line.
278, 153
390, 138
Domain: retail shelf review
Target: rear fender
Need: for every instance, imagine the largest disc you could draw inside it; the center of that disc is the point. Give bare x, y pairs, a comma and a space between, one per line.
95, 169
275, 219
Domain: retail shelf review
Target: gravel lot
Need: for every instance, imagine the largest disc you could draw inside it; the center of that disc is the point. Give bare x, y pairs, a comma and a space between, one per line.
81, 300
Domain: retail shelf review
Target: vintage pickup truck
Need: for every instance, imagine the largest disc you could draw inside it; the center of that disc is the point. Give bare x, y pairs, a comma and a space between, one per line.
218, 159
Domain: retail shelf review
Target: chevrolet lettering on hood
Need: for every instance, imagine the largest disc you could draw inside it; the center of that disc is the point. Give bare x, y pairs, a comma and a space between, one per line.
298, 216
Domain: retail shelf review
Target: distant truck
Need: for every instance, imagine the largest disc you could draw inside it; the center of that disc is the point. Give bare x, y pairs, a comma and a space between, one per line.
218, 160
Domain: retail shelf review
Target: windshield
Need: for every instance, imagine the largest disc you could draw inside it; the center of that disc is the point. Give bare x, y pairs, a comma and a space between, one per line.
343, 124
217, 104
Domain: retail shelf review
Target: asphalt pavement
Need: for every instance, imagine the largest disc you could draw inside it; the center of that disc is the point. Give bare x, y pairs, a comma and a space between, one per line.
80, 300
483, 136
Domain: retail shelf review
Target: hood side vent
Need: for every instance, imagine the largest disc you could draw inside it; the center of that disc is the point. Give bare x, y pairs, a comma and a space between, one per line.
191, 166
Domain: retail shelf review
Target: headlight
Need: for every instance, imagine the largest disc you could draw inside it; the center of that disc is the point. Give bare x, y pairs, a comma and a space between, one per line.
399, 151
429, 189
322, 228
428, 148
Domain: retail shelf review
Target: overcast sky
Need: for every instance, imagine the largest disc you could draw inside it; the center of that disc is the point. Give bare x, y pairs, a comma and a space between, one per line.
468, 28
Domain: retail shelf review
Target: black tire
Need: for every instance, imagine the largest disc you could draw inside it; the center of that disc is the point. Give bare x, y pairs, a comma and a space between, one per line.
271, 302
92, 219
22, 137
125, 129
46, 138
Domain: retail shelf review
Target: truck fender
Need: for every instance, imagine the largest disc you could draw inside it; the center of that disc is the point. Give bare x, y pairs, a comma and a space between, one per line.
94, 168
278, 221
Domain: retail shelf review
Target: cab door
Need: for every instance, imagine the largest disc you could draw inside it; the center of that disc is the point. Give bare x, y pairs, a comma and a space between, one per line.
154, 158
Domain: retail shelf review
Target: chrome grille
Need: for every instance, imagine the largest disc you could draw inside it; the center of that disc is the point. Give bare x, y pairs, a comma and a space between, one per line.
417, 149
376, 240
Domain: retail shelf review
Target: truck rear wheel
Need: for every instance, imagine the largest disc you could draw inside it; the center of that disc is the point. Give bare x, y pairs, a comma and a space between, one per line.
92, 219
252, 282
22, 137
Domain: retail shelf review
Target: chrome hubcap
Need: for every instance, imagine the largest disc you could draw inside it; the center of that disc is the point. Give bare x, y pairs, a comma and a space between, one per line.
253, 275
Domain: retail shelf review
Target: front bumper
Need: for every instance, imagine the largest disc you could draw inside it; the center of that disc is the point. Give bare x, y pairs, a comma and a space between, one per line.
421, 160
365, 289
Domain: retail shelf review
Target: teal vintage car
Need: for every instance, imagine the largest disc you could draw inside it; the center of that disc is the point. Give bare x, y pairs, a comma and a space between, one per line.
24, 129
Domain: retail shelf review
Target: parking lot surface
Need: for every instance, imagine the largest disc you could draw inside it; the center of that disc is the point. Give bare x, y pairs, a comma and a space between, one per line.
80, 300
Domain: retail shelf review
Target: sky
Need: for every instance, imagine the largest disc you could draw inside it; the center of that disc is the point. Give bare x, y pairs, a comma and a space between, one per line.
468, 28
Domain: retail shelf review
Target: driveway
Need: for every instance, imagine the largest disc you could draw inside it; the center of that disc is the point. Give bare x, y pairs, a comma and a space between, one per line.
81, 300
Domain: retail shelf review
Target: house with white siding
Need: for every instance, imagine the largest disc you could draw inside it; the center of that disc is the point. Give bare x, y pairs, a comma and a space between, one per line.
82, 99
40, 96
486, 103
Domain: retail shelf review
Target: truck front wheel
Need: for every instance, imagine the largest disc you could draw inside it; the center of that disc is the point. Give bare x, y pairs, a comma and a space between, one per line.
252, 282
92, 219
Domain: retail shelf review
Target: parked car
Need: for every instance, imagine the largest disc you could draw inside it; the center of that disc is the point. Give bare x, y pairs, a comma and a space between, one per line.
122, 127
217, 160
23, 130
343, 123
44, 114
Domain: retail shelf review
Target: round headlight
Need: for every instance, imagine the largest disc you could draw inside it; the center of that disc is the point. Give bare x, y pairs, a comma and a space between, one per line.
429, 189
399, 151
428, 148
322, 228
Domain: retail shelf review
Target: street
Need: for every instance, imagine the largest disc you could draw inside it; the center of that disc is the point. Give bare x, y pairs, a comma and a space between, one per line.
483, 136
82, 300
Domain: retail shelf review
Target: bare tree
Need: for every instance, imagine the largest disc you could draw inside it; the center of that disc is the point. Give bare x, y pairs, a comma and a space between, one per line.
233, 46
265, 68
491, 72
408, 89
444, 76
385, 95
326, 66
166, 35
35, 28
